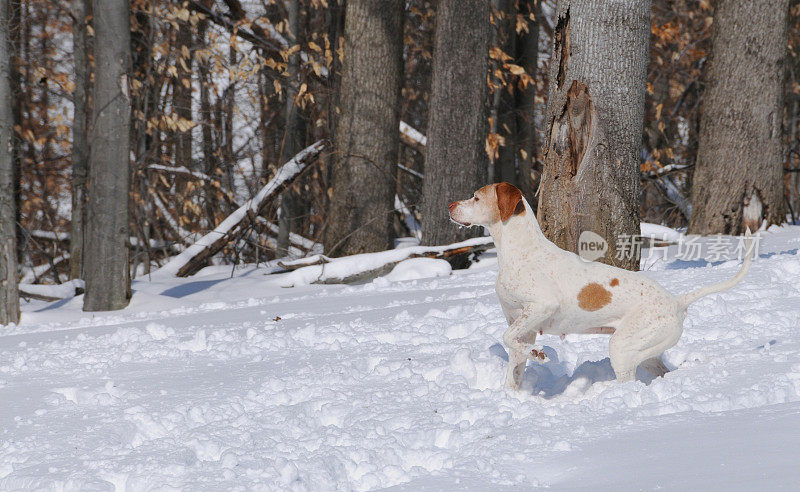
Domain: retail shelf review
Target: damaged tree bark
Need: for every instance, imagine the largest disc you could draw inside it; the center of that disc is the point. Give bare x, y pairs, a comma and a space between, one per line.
740, 153
594, 125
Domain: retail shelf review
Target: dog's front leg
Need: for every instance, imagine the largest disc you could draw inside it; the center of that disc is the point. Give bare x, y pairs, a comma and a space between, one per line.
518, 338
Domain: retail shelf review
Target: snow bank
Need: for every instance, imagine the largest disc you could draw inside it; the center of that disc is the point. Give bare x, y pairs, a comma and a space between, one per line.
418, 268
220, 383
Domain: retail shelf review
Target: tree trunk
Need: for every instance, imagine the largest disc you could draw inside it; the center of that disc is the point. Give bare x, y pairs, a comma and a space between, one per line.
9, 291
80, 141
208, 123
505, 107
740, 154
291, 136
455, 162
594, 124
182, 95
107, 275
367, 138
527, 56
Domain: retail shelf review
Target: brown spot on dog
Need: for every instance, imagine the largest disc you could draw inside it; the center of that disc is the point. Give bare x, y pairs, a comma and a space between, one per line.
593, 297
614, 282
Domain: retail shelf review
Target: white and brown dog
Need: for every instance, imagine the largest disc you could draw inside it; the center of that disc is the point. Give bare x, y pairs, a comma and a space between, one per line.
546, 290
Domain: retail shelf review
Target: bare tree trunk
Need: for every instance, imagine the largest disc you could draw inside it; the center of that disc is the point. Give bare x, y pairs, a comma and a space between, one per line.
182, 95
291, 135
367, 136
207, 120
107, 274
740, 154
9, 289
80, 140
527, 56
594, 124
455, 162
505, 107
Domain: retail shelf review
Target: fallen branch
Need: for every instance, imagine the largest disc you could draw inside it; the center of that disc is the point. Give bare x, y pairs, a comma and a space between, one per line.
412, 137
256, 37
359, 268
192, 259
183, 170
295, 239
50, 236
182, 234
674, 195
33, 274
661, 171
411, 171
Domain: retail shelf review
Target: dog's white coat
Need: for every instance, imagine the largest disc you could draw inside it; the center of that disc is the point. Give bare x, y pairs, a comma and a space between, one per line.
540, 288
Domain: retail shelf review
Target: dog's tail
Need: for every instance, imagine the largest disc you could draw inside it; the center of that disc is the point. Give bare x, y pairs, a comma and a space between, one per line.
689, 298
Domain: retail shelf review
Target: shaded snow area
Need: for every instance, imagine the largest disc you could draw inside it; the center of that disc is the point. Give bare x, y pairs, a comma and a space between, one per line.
220, 383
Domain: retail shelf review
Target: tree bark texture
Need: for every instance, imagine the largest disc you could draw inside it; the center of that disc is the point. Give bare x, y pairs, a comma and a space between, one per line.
106, 265
367, 139
527, 56
740, 153
505, 168
593, 125
455, 161
9, 289
287, 222
182, 94
80, 139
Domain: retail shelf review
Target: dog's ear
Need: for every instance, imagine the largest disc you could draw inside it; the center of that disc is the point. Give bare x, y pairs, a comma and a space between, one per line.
509, 200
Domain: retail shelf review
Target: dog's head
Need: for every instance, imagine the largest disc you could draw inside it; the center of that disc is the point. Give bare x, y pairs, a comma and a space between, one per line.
489, 205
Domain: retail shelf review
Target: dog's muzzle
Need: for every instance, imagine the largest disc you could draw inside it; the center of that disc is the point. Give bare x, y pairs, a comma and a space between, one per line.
452, 207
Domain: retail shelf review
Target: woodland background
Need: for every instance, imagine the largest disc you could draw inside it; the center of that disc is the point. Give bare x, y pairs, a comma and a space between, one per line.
223, 93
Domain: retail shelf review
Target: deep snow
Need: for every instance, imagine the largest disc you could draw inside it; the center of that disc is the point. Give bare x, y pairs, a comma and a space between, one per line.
219, 383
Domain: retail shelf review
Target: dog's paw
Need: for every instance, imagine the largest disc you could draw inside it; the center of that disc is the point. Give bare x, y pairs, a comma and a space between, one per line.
537, 354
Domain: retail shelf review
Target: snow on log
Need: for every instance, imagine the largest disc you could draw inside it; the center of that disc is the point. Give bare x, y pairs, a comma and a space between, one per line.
193, 258
32, 274
51, 293
355, 268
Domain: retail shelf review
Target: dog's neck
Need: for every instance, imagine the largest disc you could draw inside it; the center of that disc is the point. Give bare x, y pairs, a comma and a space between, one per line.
519, 235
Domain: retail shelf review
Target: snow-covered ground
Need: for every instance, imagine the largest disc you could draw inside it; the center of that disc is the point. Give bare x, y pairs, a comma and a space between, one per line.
219, 383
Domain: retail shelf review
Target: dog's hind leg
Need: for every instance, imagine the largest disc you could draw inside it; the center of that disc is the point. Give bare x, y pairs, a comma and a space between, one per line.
655, 366
640, 340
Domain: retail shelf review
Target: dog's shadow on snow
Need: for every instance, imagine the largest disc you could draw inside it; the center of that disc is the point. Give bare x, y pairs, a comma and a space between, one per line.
552, 378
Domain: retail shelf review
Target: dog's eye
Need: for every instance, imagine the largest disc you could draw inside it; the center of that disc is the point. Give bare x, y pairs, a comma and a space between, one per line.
475, 197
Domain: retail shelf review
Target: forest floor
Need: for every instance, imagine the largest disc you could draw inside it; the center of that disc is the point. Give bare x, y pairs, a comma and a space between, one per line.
220, 383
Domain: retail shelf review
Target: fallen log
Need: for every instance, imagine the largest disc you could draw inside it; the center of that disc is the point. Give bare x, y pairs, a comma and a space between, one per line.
193, 258
292, 265
52, 293
367, 266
